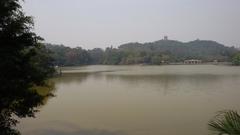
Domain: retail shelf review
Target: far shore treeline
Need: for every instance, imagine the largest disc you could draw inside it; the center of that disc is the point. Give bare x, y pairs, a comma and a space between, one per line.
153, 53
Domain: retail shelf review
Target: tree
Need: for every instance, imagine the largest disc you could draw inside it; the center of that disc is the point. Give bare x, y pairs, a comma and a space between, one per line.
24, 65
96, 55
77, 56
236, 59
226, 122
156, 60
112, 56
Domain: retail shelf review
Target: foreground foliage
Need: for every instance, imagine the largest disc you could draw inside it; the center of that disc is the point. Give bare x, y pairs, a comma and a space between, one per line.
226, 122
25, 64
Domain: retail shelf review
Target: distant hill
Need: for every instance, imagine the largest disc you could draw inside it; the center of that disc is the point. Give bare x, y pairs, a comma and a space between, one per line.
158, 52
198, 49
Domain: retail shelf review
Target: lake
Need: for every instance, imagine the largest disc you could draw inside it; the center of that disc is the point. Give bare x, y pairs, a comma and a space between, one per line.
136, 100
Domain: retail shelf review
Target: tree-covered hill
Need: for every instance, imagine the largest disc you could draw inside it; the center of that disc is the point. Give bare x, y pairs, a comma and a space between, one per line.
179, 51
158, 52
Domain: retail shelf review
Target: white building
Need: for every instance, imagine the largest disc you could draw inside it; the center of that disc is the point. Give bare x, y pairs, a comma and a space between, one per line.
192, 61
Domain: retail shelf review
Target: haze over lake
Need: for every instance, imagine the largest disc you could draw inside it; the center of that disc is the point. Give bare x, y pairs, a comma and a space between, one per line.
136, 100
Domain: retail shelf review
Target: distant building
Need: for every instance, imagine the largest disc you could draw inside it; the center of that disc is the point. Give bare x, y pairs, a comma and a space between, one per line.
215, 62
165, 38
192, 61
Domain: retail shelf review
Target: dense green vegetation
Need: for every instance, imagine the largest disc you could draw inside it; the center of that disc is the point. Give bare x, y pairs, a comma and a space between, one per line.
25, 65
159, 52
236, 59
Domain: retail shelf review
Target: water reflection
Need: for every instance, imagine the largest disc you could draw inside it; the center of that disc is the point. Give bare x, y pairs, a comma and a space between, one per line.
20, 105
68, 78
167, 83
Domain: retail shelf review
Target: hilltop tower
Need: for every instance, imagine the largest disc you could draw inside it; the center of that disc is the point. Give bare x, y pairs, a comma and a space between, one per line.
165, 38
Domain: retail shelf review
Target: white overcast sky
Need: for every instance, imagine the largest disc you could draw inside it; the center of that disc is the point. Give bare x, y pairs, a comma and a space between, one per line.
102, 23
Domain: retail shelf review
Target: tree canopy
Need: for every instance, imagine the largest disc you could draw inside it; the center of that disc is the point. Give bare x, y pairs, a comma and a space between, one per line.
25, 64
236, 59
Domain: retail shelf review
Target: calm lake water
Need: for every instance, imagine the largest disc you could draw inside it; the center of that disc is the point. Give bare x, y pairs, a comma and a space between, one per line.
136, 100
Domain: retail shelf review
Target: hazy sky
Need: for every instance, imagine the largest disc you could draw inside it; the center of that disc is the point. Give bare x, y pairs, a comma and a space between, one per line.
102, 23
